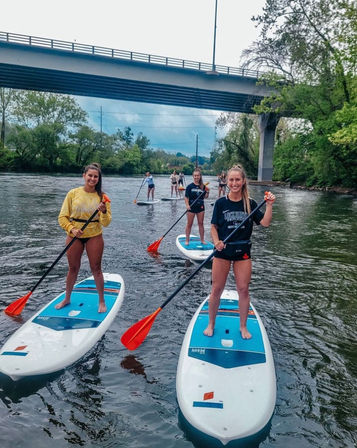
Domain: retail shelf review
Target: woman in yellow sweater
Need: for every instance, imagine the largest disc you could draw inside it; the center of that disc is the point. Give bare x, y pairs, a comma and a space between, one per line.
78, 206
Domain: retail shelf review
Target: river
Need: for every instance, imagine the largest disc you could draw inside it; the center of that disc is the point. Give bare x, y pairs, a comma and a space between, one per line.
304, 287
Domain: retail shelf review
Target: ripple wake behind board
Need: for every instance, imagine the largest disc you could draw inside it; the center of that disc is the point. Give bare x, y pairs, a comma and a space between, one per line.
226, 385
195, 250
54, 339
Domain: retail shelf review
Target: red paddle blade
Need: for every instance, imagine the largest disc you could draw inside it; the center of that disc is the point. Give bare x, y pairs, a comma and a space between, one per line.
136, 334
15, 308
154, 246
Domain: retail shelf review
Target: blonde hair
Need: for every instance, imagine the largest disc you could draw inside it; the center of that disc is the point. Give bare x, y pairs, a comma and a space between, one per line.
245, 193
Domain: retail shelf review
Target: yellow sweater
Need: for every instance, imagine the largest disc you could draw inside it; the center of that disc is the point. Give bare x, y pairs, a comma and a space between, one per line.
81, 205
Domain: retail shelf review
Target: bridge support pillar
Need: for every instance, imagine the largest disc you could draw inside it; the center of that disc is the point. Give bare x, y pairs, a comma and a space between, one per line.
267, 126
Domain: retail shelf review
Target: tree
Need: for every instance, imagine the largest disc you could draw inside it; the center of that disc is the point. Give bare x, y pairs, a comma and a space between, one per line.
310, 48
7, 101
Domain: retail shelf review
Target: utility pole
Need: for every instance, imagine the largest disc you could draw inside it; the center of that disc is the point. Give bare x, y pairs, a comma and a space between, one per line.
196, 151
214, 39
101, 127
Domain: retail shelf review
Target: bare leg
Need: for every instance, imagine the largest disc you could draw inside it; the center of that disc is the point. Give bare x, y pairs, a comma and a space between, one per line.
242, 272
95, 247
74, 255
220, 270
190, 218
201, 229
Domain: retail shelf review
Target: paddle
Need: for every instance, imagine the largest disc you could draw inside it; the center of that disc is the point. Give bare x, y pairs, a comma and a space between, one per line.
136, 334
139, 190
15, 308
155, 245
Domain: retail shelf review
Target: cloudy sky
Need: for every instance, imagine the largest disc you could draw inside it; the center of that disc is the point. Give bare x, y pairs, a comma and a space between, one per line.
181, 29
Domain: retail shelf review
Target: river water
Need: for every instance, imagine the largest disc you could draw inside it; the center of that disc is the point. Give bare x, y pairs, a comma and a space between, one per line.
304, 287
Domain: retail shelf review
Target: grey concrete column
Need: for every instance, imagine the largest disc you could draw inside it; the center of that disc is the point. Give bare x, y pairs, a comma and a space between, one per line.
267, 126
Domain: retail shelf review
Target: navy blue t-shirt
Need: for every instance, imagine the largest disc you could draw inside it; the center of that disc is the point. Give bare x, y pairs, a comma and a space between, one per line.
192, 192
228, 214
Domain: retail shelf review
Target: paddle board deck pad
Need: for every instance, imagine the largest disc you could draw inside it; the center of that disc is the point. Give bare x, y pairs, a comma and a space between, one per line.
195, 250
155, 201
226, 385
54, 339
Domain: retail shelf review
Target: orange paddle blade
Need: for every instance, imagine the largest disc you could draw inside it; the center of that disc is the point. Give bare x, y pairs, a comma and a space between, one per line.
136, 334
154, 246
15, 308
105, 198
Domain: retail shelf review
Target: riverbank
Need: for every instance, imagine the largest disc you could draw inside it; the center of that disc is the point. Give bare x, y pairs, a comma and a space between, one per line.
272, 183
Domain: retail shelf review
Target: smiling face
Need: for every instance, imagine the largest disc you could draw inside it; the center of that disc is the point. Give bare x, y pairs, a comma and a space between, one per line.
236, 181
91, 178
196, 177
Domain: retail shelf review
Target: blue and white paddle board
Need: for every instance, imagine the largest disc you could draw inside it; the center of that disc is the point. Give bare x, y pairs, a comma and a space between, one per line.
195, 250
54, 339
155, 201
226, 385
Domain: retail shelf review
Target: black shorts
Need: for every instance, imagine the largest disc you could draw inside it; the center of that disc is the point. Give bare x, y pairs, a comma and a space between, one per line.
151, 186
235, 251
180, 182
83, 240
197, 208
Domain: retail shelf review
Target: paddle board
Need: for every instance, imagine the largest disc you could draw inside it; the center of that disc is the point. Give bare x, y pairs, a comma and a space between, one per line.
171, 199
226, 385
155, 201
195, 250
53, 339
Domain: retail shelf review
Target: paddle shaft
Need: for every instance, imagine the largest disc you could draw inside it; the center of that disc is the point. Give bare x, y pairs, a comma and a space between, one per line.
184, 213
178, 289
63, 252
140, 189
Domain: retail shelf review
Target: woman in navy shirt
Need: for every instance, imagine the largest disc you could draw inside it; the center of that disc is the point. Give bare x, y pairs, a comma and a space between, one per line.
196, 191
228, 213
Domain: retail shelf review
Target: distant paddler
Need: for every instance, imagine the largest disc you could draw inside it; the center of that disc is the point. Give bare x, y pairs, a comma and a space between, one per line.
196, 189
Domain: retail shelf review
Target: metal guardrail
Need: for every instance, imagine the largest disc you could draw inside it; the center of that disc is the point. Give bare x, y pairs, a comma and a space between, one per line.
94, 50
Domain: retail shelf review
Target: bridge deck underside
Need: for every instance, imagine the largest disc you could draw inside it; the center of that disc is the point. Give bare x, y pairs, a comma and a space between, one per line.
28, 78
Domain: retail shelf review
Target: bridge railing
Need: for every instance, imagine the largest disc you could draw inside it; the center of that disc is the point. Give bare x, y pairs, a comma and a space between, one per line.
94, 50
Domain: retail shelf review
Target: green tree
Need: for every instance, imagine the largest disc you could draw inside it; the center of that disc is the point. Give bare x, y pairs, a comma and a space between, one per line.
313, 45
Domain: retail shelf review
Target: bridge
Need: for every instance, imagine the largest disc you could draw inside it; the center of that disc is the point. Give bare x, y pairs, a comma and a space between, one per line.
35, 63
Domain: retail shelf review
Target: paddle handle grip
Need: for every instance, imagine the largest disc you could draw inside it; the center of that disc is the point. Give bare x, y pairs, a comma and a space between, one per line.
178, 289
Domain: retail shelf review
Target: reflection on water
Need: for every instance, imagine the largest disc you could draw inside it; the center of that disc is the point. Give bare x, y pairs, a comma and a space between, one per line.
304, 286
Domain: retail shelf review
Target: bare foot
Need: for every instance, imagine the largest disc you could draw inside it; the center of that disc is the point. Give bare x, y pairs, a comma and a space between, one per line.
102, 308
208, 331
62, 304
187, 243
245, 333
203, 242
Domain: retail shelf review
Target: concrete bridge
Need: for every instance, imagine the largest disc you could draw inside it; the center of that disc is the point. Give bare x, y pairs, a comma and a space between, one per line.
35, 63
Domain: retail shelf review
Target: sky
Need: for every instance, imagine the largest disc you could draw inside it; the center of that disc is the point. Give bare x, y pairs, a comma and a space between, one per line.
181, 29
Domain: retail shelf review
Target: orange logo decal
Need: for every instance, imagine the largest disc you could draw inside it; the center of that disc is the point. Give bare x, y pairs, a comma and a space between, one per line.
245, 256
21, 347
208, 395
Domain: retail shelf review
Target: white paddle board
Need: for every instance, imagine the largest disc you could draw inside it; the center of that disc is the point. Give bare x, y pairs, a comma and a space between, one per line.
155, 201
53, 339
226, 385
195, 250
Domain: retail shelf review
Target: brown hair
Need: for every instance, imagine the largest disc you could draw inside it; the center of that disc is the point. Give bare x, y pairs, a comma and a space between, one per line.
197, 170
245, 193
98, 187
